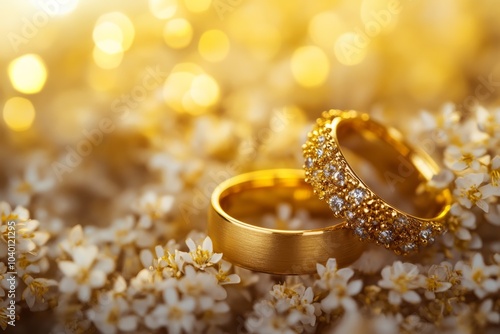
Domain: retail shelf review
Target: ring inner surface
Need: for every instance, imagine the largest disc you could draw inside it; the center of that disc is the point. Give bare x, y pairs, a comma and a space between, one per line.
258, 203
386, 166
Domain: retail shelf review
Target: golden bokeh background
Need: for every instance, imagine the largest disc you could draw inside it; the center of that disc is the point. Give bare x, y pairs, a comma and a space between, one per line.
159, 69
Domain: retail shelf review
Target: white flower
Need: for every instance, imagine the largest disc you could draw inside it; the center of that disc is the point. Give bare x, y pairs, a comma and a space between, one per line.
469, 191
284, 218
75, 238
113, 311
267, 319
4, 284
203, 286
486, 314
201, 256
152, 207
297, 300
165, 264
175, 314
223, 274
495, 171
493, 216
85, 273
460, 158
460, 223
435, 281
36, 292
477, 276
27, 236
400, 279
340, 290
22, 189
442, 180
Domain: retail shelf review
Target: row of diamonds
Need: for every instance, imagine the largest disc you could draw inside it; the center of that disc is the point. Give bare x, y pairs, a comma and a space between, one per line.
370, 218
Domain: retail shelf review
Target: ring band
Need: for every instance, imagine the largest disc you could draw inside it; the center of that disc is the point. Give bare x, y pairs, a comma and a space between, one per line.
349, 197
272, 250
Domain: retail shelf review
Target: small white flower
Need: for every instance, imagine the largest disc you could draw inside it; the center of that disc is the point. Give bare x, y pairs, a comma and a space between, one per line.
442, 180
340, 290
151, 207
113, 312
175, 314
223, 274
460, 158
493, 216
203, 286
486, 314
85, 273
36, 292
469, 191
267, 319
477, 276
201, 256
435, 281
495, 171
460, 223
400, 279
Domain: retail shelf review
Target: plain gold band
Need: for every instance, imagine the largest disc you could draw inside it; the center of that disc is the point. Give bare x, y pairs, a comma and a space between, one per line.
270, 250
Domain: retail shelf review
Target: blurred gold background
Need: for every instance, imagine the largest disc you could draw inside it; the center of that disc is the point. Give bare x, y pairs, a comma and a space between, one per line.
91, 91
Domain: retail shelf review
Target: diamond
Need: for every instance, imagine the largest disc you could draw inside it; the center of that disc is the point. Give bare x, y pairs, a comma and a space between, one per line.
336, 204
408, 248
360, 232
400, 221
329, 170
385, 237
425, 234
358, 195
321, 139
309, 162
349, 215
339, 179
319, 152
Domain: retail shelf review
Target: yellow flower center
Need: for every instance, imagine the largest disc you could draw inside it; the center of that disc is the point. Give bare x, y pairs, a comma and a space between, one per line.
495, 177
402, 283
478, 276
453, 223
38, 289
201, 256
473, 194
467, 158
24, 187
433, 284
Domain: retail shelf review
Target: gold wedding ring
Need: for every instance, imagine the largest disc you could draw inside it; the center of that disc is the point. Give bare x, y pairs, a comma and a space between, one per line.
238, 202
404, 169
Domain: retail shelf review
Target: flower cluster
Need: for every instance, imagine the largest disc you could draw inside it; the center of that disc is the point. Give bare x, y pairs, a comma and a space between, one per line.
171, 289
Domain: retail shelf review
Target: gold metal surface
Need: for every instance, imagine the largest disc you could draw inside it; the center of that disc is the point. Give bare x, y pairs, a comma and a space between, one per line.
275, 251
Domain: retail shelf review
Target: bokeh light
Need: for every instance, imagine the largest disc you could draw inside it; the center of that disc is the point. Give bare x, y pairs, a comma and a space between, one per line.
351, 48
197, 6
113, 33
106, 60
163, 9
18, 113
204, 90
188, 89
326, 27
108, 37
214, 45
28, 73
178, 33
310, 66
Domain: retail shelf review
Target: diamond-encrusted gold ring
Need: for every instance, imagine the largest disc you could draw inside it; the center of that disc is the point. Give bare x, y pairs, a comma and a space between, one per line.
402, 167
